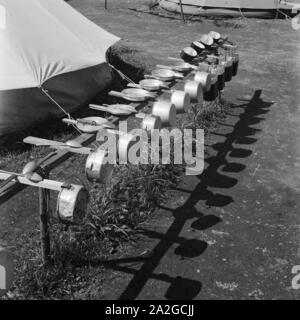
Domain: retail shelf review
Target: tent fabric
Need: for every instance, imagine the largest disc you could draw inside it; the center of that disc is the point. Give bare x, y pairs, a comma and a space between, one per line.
250, 8
246, 4
48, 43
43, 39
23, 108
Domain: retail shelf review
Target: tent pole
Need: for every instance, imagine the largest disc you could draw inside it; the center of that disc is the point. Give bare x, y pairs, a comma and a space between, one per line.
181, 11
44, 199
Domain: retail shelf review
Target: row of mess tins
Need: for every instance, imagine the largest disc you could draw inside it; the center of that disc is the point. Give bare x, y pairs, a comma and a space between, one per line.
208, 70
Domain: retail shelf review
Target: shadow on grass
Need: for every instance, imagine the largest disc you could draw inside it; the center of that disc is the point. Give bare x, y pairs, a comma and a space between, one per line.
181, 288
144, 268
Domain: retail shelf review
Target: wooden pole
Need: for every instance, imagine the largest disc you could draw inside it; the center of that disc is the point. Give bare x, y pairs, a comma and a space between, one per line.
105, 4
44, 199
181, 11
6, 270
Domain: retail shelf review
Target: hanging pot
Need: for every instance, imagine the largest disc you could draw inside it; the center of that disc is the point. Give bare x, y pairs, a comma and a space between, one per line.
72, 204
215, 35
29, 171
151, 122
152, 84
235, 64
114, 109
213, 92
166, 75
133, 94
6, 270
188, 54
204, 78
207, 41
228, 69
166, 111
198, 46
194, 90
87, 125
184, 67
183, 64
97, 169
221, 77
181, 101
180, 67
221, 81
137, 92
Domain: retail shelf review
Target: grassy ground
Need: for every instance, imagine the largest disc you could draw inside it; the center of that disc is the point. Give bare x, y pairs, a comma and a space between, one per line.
117, 209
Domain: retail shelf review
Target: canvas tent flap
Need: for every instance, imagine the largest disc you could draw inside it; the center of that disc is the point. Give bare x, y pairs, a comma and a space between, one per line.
43, 39
239, 4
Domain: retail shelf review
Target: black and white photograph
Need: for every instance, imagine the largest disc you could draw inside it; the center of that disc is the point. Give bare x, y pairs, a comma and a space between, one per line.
149, 152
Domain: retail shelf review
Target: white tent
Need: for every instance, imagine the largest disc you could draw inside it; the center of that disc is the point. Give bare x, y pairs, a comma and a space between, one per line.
49, 44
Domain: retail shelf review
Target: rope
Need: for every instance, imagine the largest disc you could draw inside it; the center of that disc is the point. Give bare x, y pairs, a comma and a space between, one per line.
286, 16
60, 107
277, 9
94, 144
241, 12
122, 75
56, 103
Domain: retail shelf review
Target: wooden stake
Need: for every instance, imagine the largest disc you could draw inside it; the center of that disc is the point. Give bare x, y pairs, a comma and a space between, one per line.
44, 198
6, 270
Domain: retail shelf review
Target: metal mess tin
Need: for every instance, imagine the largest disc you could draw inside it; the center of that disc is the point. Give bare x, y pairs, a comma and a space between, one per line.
166, 111
188, 54
194, 90
72, 204
97, 169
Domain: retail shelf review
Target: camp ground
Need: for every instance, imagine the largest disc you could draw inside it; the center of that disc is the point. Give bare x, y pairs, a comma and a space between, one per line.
84, 214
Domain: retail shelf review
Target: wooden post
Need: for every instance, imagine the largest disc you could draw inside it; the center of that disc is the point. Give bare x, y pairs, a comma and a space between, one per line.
181, 11
44, 199
105, 4
6, 270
